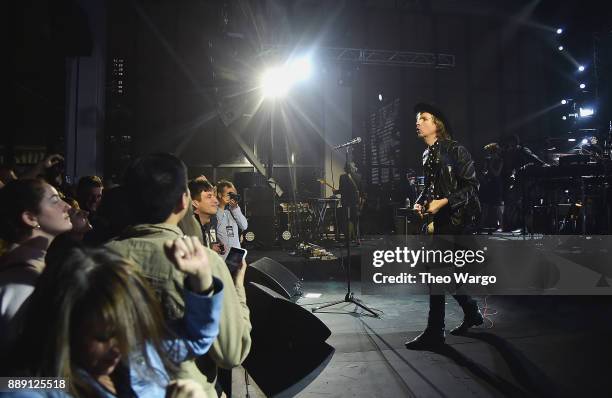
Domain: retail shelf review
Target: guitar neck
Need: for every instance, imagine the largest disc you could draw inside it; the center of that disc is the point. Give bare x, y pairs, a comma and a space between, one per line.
327, 183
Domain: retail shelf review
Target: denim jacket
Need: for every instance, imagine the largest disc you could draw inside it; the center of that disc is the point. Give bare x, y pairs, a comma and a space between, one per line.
194, 334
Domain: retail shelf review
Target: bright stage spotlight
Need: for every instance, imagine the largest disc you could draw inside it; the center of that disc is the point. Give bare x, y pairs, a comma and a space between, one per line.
585, 112
584, 141
564, 117
275, 83
300, 69
582, 85
571, 139
380, 97
581, 68
559, 31
563, 102
560, 48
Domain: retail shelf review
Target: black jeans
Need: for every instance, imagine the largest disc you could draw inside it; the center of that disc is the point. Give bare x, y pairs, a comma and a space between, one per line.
435, 319
436, 308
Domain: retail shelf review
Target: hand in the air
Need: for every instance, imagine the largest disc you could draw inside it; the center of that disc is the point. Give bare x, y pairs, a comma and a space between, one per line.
188, 255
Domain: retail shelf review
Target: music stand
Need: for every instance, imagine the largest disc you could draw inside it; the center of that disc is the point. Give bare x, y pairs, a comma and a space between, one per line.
349, 297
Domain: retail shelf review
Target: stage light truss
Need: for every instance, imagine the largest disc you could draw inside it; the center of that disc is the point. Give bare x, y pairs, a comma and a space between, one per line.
374, 57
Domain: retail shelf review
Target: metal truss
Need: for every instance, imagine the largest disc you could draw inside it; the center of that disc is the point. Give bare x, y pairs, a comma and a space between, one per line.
375, 57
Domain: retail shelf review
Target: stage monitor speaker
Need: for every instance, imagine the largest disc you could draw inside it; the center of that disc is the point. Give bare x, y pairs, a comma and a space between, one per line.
288, 347
275, 276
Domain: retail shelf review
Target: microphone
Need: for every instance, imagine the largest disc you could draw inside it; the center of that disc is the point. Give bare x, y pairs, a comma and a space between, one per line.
351, 142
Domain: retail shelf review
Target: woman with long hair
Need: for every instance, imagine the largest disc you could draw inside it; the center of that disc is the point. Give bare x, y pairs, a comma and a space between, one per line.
94, 320
32, 215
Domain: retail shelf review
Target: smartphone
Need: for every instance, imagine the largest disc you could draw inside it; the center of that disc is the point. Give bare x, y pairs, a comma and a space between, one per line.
234, 259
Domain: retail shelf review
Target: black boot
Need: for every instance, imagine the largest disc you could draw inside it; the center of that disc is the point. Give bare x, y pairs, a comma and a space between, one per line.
471, 317
430, 338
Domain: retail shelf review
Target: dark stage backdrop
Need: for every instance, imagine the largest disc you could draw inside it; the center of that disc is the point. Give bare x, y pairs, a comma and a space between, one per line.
182, 57
178, 59
500, 80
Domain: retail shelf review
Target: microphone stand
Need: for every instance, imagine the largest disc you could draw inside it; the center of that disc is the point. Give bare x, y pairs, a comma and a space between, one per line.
349, 297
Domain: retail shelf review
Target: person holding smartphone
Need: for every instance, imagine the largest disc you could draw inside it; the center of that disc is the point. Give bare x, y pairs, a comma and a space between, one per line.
230, 220
157, 217
235, 258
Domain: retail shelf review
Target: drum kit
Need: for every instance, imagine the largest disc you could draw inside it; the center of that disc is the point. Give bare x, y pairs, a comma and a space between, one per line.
313, 220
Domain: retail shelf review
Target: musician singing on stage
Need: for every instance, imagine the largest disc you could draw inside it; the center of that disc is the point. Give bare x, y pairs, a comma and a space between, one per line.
450, 195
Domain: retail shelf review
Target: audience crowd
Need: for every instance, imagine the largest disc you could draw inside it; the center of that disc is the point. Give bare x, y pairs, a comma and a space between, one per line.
121, 290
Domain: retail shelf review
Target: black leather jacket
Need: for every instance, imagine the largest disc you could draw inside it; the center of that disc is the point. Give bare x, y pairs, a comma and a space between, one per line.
455, 180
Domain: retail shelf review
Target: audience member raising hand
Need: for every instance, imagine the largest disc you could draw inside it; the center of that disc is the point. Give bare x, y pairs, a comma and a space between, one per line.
188, 256
158, 199
123, 345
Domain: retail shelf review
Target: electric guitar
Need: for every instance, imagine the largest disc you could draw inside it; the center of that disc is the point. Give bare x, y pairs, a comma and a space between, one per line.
322, 181
428, 218
429, 223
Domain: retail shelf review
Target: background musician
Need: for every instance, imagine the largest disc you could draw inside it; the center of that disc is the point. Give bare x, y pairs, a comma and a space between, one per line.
350, 189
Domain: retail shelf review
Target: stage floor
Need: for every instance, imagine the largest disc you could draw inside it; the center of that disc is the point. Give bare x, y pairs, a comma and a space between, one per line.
531, 346
315, 269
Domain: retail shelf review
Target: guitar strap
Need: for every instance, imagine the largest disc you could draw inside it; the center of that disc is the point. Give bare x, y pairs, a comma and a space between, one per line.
356, 188
353, 182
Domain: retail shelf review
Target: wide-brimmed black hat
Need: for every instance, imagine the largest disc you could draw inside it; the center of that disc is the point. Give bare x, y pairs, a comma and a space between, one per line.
429, 108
